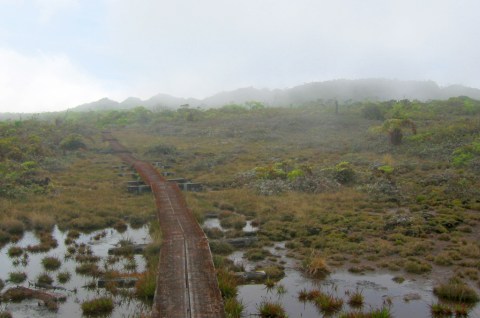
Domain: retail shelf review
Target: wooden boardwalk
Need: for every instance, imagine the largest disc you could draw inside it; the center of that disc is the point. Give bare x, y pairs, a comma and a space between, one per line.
186, 282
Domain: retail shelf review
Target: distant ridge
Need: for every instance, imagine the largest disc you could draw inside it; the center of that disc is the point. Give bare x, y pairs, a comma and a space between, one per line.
342, 90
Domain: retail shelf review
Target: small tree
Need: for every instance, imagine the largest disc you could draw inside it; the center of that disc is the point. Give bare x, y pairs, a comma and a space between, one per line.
394, 129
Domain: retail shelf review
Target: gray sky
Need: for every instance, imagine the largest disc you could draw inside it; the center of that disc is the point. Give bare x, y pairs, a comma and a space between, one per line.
56, 54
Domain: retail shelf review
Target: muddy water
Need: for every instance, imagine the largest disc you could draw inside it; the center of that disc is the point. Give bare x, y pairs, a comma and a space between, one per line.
76, 293
412, 298
211, 223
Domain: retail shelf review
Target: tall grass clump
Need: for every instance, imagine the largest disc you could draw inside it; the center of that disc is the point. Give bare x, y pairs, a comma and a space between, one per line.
17, 277
271, 310
227, 283
15, 251
63, 277
44, 279
233, 308
98, 306
146, 286
356, 299
51, 263
456, 290
316, 266
328, 304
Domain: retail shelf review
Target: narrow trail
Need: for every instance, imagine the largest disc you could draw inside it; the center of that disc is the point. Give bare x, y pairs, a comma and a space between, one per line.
186, 282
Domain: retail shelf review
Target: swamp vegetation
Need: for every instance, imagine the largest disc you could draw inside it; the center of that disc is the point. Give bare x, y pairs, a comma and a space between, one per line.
371, 187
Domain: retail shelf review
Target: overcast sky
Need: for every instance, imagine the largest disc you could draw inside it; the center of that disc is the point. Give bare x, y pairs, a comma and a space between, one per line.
56, 54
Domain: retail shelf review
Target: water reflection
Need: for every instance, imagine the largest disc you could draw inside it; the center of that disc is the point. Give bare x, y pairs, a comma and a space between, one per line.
75, 292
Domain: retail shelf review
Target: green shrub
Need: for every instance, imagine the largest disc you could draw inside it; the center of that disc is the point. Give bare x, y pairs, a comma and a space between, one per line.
344, 173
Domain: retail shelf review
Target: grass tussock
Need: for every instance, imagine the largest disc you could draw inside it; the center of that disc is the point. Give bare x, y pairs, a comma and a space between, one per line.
17, 277
98, 306
271, 310
63, 277
457, 291
146, 285
227, 282
316, 266
356, 299
233, 308
44, 279
15, 251
88, 269
51, 263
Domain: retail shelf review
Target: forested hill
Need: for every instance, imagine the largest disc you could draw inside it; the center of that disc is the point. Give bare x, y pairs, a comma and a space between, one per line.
341, 90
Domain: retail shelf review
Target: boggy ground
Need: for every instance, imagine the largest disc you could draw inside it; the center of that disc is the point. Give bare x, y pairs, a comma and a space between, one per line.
334, 185
85, 194
377, 186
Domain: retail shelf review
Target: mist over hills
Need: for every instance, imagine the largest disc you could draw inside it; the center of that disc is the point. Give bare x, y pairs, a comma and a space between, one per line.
342, 90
